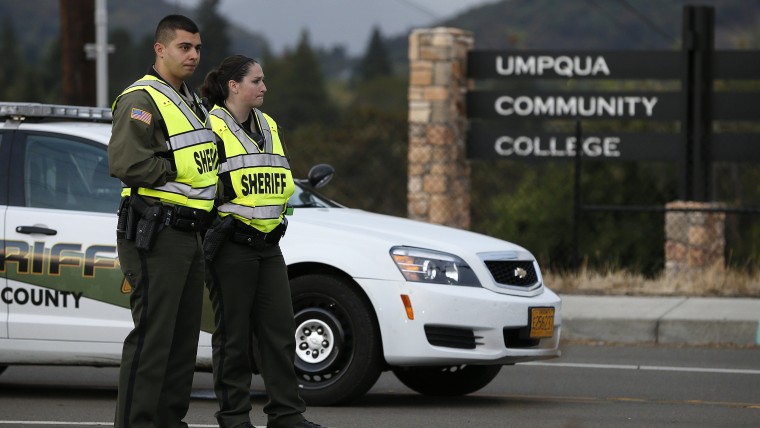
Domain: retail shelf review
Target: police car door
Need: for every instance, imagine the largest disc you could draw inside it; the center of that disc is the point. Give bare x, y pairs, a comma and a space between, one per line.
4, 160
63, 278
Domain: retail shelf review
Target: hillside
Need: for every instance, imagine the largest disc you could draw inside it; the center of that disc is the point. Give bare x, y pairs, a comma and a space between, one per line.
506, 24
593, 24
596, 24
41, 23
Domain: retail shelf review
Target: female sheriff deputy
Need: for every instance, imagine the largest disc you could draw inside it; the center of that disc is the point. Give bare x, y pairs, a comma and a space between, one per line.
246, 272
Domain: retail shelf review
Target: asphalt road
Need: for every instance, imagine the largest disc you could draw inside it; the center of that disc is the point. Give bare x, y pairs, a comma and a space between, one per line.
589, 386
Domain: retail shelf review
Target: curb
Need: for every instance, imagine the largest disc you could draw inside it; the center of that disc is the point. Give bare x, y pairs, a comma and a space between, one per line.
665, 320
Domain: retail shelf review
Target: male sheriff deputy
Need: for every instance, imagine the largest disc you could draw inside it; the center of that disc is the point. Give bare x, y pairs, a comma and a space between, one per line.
164, 152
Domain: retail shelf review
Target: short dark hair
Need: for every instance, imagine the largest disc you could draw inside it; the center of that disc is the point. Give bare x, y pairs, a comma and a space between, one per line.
170, 24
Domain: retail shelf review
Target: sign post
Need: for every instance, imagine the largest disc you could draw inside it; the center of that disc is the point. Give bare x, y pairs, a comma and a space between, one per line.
698, 39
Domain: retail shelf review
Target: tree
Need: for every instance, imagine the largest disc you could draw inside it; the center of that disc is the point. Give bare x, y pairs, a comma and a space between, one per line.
369, 153
130, 61
337, 65
50, 74
18, 81
375, 62
11, 57
122, 66
214, 37
296, 87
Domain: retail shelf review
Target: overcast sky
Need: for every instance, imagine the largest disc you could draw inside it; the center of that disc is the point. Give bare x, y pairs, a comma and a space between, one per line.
331, 22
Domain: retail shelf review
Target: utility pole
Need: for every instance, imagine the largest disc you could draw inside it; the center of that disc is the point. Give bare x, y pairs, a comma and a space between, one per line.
102, 49
77, 29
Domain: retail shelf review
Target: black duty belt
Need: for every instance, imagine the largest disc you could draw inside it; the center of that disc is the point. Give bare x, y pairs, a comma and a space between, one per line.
248, 235
184, 218
176, 216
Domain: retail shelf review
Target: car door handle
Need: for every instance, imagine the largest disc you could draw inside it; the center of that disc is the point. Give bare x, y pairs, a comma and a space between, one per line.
36, 229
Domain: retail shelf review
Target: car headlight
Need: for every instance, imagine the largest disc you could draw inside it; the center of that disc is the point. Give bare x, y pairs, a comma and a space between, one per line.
434, 267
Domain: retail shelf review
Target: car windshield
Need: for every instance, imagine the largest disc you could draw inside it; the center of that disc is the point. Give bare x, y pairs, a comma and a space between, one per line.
306, 197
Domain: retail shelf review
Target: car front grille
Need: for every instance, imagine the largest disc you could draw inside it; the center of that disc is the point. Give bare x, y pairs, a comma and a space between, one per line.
451, 337
517, 338
516, 273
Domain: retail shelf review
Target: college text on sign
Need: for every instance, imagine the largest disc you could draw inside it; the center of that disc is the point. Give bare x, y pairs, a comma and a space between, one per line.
556, 147
484, 141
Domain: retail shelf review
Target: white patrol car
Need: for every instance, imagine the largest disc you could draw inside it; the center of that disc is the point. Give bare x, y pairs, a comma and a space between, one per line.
444, 309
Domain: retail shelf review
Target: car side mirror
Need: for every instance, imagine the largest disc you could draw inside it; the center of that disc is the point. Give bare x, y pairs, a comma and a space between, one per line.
320, 175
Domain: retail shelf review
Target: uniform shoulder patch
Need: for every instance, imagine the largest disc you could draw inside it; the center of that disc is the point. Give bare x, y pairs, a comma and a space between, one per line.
141, 115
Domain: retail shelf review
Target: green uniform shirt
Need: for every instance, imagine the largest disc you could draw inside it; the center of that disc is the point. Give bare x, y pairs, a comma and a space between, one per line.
134, 145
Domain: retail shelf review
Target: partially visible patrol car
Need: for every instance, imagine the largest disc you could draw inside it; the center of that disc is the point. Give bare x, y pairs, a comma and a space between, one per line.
444, 309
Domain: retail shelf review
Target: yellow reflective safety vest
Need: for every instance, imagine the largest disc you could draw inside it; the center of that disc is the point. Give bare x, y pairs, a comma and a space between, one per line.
192, 143
259, 172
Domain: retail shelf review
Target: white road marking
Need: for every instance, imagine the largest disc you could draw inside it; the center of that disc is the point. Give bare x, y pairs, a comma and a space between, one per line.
651, 368
90, 424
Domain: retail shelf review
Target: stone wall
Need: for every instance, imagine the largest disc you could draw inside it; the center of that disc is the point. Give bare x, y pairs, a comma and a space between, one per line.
439, 174
695, 240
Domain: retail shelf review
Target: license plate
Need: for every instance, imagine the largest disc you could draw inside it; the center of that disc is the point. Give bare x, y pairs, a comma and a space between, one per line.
541, 322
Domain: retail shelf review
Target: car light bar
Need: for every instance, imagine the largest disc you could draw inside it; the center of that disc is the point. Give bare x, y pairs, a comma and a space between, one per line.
21, 111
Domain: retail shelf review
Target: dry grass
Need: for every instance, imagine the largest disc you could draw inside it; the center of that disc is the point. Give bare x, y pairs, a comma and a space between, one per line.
713, 283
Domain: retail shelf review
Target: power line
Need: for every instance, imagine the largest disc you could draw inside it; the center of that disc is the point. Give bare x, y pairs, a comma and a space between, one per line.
633, 11
604, 11
648, 22
419, 8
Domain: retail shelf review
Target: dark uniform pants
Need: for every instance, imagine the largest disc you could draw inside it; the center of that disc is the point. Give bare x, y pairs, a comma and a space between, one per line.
250, 293
158, 359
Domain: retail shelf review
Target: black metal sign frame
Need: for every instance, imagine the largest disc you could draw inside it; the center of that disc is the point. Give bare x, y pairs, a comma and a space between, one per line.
695, 105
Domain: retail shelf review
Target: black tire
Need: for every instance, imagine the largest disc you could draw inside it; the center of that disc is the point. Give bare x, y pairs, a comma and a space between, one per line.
446, 381
338, 346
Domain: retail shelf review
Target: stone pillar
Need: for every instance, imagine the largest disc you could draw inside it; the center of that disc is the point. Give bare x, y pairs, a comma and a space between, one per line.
439, 174
694, 240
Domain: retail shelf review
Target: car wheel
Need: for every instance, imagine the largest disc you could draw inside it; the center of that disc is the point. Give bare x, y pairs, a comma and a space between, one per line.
338, 347
446, 381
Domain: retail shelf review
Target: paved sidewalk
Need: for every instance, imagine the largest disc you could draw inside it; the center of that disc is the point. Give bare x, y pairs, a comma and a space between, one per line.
667, 320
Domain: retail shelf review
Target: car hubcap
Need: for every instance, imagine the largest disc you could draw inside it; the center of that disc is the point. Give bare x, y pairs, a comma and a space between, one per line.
314, 341
320, 343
